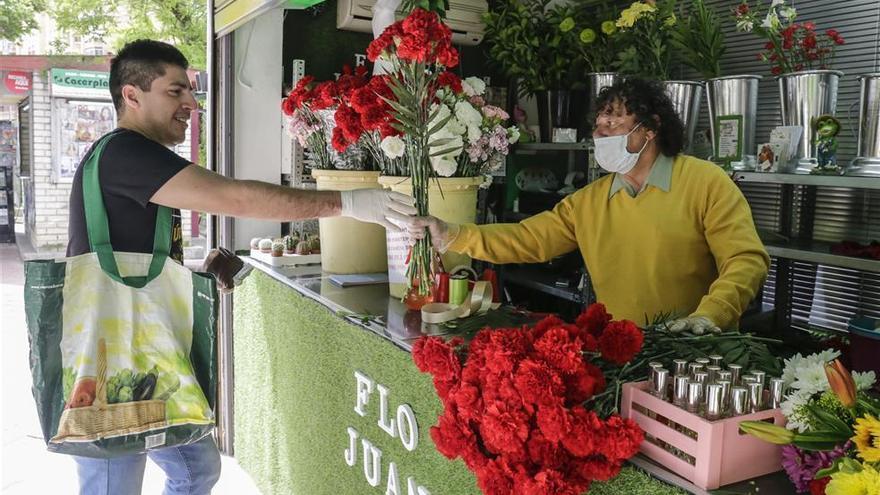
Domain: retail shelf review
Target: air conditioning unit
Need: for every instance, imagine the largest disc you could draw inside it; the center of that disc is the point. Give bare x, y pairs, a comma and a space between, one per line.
464, 17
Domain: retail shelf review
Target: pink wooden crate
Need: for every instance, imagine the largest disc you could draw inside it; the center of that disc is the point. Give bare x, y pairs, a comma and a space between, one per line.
719, 455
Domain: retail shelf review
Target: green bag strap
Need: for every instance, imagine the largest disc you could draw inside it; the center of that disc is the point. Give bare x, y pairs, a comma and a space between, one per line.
99, 230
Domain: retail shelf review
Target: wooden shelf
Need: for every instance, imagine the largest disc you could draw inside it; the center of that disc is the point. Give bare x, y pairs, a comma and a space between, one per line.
820, 252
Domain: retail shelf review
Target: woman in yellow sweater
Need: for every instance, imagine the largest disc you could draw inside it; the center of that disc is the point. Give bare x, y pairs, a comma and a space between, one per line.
663, 232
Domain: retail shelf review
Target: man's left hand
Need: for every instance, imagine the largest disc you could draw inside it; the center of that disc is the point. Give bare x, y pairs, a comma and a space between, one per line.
698, 325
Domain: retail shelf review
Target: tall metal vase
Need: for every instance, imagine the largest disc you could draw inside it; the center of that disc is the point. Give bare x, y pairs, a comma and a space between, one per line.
804, 96
735, 96
685, 96
867, 161
596, 82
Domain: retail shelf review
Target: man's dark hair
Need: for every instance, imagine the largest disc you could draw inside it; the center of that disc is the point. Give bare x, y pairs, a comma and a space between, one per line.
645, 99
139, 63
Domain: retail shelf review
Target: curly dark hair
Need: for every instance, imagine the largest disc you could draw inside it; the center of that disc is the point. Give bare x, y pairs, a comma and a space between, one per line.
645, 99
138, 63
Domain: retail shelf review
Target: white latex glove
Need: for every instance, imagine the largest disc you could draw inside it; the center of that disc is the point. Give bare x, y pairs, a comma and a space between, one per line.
442, 233
698, 325
381, 206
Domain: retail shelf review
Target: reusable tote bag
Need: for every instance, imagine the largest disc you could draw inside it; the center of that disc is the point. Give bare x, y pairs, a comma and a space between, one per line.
122, 344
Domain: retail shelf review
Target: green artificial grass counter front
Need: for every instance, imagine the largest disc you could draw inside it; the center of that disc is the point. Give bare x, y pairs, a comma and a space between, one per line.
295, 398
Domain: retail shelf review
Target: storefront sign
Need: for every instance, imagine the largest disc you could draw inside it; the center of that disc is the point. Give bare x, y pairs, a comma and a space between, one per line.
15, 82
80, 84
402, 425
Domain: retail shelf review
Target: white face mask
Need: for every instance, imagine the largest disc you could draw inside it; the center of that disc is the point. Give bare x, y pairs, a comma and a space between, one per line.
612, 155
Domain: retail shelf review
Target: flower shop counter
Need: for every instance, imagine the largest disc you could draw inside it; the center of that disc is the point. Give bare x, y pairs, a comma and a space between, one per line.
327, 399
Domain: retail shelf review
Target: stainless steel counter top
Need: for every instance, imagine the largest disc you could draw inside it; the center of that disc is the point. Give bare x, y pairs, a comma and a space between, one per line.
370, 306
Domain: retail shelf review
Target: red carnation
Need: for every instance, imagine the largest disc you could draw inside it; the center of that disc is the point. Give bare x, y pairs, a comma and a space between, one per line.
505, 348
500, 388
817, 487
450, 80
551, 321
504, 428
620, 341
433, 355
559, 349
447, 56
496, 478
554, 422
373, 118
537, 383
287, 106
776, 70
742, 9
551, 482
621, 438
597, 468
583, 437
451, 435
544, 452
338, 140
594, 319
468, 402
584, 384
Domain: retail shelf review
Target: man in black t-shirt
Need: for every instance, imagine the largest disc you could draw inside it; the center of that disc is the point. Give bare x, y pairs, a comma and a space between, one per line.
138, 172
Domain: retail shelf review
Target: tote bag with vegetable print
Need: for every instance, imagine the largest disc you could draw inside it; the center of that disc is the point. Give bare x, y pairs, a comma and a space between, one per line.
122, 344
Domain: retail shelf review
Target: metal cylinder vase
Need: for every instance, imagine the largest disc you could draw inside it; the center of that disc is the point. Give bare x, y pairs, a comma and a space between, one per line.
867, 161
735, 96
596, 82
685, 96
804, 96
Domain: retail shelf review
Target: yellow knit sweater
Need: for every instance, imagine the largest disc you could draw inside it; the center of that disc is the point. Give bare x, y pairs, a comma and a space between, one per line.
692, 250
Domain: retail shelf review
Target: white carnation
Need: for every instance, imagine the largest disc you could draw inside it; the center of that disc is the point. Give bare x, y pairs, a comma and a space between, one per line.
393, 147
443, 112
467, 114
474, 133
473, 86
445, 167
865, 380
455, 127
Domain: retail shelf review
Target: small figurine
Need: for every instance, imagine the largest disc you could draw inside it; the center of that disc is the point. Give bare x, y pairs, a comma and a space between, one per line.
826, 128
526, 134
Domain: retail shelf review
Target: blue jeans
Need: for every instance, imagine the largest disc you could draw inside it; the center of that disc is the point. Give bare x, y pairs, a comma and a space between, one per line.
191, 469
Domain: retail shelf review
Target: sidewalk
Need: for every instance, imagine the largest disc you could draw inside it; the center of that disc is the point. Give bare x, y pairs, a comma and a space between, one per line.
27, 467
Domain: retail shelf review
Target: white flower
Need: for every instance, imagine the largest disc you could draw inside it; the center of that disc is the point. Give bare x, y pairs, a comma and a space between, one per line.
474, 134
865, 380
811, 379
487, 181
792, 409
797, 364
787, 12
771, 21
467, 114
444, 111
445, 167
473, 86
393, 147
455, 127
745, 26
512, 134
776, 2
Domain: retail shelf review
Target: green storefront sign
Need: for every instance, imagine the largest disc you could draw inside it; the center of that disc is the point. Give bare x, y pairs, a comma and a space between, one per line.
80, 83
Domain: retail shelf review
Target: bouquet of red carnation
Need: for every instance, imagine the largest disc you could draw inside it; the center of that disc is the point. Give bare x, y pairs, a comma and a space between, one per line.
514, 403
417, 50
318, 114
790, 46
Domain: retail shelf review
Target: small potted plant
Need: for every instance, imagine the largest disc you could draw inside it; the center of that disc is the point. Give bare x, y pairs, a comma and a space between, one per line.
527, 40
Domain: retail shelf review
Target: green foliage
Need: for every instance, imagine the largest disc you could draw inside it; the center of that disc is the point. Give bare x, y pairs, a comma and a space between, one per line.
18, 17
179, 22
528, 41
438, 6
595, 36
646, 30
699, 37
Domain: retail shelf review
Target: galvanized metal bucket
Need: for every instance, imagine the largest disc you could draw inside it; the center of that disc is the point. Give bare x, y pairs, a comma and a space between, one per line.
596, 82
867, 161
804, 96
736, 95
685, 96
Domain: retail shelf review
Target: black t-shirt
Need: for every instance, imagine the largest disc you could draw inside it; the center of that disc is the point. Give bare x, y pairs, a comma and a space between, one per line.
132, 168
